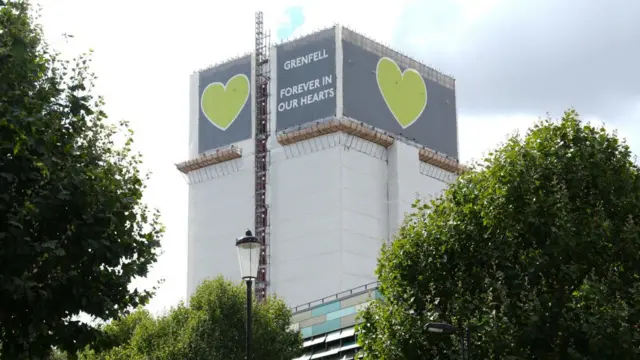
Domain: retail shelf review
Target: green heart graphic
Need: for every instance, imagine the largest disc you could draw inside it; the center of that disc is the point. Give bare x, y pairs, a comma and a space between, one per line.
404, 92
221, 104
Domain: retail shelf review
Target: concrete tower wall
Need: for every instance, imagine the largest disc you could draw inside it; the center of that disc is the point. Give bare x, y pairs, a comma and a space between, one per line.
410, 179
221, 202
220, 209
328, 215
335, 200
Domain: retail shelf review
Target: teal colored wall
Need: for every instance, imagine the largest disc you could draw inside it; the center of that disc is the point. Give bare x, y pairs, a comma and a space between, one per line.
333, 315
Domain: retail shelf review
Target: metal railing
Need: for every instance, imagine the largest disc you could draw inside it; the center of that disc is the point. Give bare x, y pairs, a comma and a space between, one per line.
338, 296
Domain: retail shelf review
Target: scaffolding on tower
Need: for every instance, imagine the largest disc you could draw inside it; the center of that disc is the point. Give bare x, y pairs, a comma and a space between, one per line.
262, 72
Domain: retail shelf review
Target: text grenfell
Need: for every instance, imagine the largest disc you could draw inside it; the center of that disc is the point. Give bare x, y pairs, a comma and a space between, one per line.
306, 59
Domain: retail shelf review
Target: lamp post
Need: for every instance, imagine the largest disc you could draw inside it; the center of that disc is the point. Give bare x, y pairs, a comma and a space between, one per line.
445, 328
248, 248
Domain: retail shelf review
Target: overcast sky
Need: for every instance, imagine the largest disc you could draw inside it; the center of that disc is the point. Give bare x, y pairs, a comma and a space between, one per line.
513, 62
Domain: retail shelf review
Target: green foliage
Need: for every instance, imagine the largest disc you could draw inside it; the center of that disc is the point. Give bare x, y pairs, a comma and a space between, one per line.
539, 247
120, 331
74, 232
211, 327
58, 355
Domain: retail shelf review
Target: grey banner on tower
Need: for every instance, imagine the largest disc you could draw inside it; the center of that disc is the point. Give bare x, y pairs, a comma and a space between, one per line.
225, 104
401, 101
306, 80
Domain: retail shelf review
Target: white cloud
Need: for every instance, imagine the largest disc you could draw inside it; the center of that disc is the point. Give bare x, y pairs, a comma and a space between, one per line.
478, 135
375, 21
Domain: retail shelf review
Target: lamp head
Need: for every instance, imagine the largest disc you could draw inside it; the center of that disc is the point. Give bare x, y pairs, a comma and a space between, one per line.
442, 328
248, 248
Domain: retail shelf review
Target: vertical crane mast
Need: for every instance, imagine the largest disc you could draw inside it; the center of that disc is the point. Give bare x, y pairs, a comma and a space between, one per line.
262, 73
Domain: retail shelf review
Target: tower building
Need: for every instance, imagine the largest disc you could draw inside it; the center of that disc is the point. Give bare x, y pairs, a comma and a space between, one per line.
319, 145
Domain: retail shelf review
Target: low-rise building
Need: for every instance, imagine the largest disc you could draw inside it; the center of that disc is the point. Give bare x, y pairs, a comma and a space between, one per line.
328, 324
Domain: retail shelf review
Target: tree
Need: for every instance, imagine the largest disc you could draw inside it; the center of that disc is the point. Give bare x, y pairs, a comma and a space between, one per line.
220, 331
537, 247
73, 229
118, 335
211, 327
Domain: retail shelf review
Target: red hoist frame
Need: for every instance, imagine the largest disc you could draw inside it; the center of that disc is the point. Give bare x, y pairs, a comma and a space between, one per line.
262, 73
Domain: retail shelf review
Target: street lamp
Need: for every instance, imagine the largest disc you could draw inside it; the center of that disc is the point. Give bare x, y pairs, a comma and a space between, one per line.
441, 328
445, 328
248, 248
